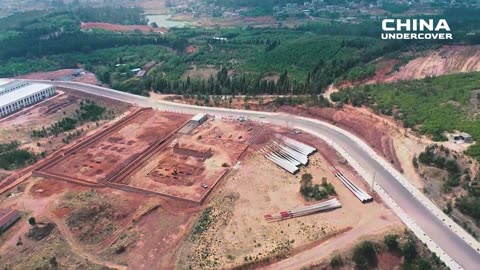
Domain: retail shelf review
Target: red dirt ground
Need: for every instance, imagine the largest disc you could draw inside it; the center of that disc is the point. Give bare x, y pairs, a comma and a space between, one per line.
191, 49
383, 69
123, 28
446, 60
47, 188
179, 173
160, 230
108, 155
387, 260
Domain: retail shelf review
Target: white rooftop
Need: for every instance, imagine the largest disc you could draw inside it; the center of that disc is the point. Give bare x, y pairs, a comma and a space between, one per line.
198, 117
4, 81
23, 92
12, 84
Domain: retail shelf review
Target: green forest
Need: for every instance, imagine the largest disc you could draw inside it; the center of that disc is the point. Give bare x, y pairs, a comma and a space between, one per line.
432, 105
303, 60
43, 44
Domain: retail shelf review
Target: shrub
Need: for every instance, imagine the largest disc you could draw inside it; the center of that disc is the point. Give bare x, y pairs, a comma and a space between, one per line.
364, 255
38, 233
452, 166
16, 159
315, 192
336, 261
53, 262
32, 221
409, 251
391, 240
121, 249
474, 151
203, 222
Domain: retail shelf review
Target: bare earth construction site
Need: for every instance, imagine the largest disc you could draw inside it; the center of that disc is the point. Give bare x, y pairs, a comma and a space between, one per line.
134, 193
153, 152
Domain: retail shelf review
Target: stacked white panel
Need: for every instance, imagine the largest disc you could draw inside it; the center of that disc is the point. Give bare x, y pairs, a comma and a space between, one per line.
358, 192
298, 146
298, 156
287, 153
305, 210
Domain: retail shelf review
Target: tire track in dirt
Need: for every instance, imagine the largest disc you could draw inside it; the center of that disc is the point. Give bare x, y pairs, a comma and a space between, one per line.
77, 249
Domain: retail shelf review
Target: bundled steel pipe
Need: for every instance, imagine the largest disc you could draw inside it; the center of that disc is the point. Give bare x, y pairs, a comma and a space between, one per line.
300, 147
297, 155
305, 210
287, 153
359, 193
283, 155
288, 166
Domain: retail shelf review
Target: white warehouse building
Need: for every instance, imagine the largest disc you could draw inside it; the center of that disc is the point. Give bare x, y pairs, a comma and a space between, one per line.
22, 95
11, 86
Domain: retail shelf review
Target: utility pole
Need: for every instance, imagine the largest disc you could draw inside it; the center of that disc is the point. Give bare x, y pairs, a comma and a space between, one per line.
373, 181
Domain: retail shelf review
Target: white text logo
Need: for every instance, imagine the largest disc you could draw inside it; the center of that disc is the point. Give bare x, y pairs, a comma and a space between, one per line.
415, 29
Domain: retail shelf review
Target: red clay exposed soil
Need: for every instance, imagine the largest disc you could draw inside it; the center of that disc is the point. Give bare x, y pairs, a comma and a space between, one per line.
371, 129
387, 260
62, 212
123, 28
165, 224
191, 49
20, 125
446, 60
203, 156
47, 188
101, 156
383, 70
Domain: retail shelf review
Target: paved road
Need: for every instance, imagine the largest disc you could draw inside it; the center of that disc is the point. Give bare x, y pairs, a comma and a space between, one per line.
456, 243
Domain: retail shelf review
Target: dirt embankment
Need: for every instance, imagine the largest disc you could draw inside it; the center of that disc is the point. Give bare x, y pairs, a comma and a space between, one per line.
446, 60
377, 132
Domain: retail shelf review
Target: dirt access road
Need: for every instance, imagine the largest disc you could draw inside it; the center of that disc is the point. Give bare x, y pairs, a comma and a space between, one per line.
341, 242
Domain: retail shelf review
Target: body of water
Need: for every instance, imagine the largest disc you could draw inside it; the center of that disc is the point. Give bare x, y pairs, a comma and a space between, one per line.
164, 21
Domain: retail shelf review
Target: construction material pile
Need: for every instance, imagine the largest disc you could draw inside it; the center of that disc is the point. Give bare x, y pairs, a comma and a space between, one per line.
303, 211
359, 193
287, 153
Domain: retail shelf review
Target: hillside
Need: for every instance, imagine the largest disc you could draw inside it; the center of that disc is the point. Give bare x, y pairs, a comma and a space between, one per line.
431, 106
446, 60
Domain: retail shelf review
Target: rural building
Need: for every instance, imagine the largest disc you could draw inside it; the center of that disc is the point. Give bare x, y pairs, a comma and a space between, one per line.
141, 73
463, 138
199, 118
7, 218
194, 122
145, 69
21, 97
149, 65
135, 70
